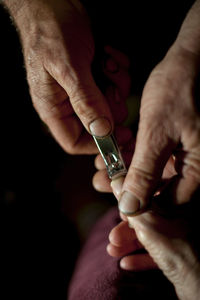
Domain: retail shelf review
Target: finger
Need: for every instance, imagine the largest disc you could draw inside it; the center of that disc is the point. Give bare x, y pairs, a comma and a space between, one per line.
99, 162
138, 262
101, 182
122, 235
116, 186
183, 186
123, 250
52, 104
187, 165
180, 190
163, 239
153, 149
67, 132
86, 99
65, 128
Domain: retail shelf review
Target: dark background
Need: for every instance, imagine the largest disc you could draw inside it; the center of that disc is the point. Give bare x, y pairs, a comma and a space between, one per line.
47, 203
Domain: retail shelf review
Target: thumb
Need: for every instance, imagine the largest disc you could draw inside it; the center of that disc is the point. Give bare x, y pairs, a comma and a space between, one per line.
154, 146
89, 104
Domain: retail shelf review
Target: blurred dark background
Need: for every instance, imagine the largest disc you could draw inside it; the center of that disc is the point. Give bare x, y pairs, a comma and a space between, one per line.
47, 203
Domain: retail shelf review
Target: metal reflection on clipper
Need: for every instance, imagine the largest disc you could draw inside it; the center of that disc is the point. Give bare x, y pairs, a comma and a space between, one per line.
111, 155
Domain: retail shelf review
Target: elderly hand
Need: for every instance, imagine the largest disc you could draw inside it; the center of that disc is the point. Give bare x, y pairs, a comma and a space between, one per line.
169, 246
58, 50
169, 124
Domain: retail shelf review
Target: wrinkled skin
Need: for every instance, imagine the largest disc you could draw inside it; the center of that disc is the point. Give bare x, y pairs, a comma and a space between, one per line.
169, 123
168, 248
58, 51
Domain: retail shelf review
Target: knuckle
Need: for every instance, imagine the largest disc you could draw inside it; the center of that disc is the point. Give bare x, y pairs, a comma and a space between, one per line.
142, 182
84, 103
192, 166
70, 149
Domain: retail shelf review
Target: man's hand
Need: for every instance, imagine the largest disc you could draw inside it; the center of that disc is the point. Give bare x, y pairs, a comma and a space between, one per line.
58, 50
169, 124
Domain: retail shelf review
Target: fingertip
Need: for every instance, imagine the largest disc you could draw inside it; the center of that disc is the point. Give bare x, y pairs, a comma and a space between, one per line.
122, 235
101, 182
112, 250
108, 248
116, 186
114, 236
124, 265
138, 262
111, 236
99, 163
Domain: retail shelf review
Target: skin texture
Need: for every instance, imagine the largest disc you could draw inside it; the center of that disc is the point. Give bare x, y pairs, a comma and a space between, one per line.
157, 239
168, 248
175, 122
58, 51
169, 122
67, 99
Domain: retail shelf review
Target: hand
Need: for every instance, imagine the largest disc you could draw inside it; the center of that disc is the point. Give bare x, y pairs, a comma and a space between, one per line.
171, 245
58, 50
169, 125
167, 243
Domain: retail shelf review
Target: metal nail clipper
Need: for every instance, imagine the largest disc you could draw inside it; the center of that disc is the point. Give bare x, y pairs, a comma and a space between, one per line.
111, 155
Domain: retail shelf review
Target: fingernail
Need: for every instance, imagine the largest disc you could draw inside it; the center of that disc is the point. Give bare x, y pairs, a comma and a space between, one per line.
129, 204
111, 66
100, 127
116, 186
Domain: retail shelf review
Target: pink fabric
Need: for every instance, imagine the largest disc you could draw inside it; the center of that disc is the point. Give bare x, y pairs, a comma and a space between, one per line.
97, 276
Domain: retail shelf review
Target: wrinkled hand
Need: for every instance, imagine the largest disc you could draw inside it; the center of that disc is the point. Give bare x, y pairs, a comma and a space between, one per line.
58, 50
168, 247
169, 125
